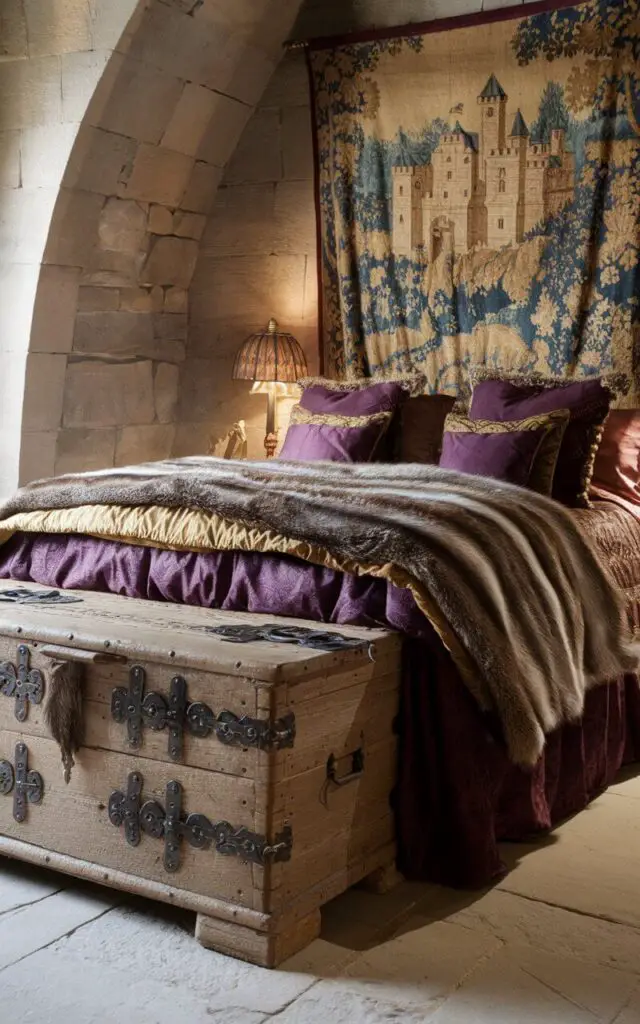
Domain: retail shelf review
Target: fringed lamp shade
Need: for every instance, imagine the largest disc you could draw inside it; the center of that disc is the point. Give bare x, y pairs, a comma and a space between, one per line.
270, 355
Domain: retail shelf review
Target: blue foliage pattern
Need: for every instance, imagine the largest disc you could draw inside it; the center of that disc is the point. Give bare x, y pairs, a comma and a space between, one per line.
561, 300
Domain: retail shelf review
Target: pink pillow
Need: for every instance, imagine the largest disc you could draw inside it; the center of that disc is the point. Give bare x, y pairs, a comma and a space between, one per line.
617, 466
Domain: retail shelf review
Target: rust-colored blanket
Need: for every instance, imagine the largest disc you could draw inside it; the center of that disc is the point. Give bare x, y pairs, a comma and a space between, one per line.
518, 595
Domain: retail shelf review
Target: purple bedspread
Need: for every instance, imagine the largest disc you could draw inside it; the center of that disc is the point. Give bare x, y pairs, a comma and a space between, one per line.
457, 793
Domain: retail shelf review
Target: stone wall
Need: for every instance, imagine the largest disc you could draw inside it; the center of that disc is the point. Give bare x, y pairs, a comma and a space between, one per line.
257, 260
258, 255
52, 58
134, 134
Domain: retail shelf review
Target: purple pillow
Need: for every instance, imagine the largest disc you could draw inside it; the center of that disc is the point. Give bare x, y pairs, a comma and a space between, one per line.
507, 457
332, 438
383, 397
588, 403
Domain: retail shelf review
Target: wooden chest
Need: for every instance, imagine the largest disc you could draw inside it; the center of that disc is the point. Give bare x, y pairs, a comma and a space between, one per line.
248, 782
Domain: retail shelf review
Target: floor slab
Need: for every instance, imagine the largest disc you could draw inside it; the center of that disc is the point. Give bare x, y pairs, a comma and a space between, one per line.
529, 986
21, 884
589, 864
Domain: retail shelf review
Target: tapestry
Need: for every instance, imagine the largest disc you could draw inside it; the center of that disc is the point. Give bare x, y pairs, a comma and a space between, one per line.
479, 197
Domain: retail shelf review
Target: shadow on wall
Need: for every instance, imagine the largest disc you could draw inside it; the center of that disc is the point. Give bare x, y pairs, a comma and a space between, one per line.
116, 122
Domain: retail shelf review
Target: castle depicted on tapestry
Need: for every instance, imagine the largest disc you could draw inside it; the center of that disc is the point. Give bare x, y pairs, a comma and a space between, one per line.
487, 189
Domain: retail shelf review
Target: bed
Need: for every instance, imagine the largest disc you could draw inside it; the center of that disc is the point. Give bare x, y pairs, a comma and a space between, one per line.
458, 793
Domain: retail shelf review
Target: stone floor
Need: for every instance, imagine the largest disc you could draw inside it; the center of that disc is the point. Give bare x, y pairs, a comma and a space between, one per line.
557, 942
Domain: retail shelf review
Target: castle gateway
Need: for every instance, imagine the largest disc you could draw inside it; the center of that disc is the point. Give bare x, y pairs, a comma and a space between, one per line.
484, 189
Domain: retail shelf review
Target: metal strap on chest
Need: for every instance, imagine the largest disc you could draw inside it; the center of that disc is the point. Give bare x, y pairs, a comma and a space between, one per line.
197, 830
178, 715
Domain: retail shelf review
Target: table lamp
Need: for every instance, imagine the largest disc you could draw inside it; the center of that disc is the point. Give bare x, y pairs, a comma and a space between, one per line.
269, 358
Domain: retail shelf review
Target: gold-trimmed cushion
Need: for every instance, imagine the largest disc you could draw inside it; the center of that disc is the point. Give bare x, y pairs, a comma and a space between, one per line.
331, 437
550, 426
509, 395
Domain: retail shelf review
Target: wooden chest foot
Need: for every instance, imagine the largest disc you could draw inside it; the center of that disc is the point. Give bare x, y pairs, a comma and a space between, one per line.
265, 948
383, 879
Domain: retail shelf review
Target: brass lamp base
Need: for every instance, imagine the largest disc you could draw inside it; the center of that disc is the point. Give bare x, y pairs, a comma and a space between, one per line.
270, 444
271, 437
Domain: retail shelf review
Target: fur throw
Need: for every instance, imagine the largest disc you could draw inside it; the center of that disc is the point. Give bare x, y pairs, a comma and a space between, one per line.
532, 617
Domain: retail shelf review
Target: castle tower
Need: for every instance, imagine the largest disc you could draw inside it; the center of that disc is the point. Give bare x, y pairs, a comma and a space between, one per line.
518, 142
409, 187
493, 103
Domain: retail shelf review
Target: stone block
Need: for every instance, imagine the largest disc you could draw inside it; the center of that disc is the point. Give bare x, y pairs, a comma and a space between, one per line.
43, 391
297, 144
113, 269
125, 334
176, 300
142, 101
99, 394
136, 300
31, 92
202, 187
73, 230
226, 124
157, 299
55, 309
201, 387
37, 455
118, 333
92, 299
25, 217
112, 24
18, 287
242, 223
13, 30
251, 70
122, 226
258, 154
10, 162
256, 287
190, 48
53, 28
158, 175
191, 439
190, 119
144, 444
289, 84
100, 161
294, 229
170, 261
87, 79
170, 326
188, 225
165, 392
45, 152
80, 451
160, 220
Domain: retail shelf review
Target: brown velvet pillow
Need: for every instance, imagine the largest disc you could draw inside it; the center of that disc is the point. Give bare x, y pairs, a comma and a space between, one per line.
421, 428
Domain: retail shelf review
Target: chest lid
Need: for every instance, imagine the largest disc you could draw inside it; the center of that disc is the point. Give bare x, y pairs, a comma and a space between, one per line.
187, 636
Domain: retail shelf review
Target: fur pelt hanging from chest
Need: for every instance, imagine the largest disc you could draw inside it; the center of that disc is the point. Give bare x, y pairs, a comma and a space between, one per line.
63, 710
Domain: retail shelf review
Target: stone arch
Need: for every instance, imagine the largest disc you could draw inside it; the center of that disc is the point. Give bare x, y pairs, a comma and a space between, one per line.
116, 184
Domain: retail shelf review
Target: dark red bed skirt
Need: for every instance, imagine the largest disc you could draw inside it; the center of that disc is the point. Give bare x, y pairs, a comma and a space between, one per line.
457, 794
